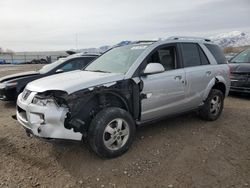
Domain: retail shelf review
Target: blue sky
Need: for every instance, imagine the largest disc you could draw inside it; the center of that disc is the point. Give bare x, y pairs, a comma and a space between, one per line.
29, 25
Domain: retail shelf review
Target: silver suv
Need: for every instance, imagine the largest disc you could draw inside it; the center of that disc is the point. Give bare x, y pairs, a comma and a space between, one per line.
126, 87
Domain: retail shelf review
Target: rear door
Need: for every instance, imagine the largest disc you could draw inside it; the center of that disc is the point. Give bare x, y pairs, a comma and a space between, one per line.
199, 73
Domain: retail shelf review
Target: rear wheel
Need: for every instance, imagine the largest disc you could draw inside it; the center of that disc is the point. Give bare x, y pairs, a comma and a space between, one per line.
111, 132
213, 105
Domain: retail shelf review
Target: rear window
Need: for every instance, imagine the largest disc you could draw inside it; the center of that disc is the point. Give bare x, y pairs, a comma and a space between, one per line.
217, 53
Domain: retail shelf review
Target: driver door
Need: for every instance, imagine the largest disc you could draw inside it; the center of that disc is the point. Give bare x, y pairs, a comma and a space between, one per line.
163, 92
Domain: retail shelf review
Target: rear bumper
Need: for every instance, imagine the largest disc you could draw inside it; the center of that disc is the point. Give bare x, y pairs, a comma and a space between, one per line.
44, 121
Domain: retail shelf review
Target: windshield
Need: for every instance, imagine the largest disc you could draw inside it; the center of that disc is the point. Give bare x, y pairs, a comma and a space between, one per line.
117, 60
243, 57
49, 67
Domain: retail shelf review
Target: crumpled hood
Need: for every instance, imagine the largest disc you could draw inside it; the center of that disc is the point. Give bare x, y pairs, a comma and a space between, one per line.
240, 67
18, 75
73, 81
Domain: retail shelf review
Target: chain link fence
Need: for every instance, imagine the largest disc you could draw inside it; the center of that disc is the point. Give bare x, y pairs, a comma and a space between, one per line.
29, 58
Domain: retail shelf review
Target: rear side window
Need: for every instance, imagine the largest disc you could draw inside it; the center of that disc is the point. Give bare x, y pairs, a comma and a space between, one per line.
204, 60
217, 53
190, 54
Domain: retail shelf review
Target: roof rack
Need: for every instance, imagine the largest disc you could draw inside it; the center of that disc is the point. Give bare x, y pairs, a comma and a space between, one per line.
91, 53
145, 41
78, 54
188, 38
125, 43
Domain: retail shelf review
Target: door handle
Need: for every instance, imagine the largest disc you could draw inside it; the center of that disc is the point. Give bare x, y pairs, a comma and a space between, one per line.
178, 77
208, 73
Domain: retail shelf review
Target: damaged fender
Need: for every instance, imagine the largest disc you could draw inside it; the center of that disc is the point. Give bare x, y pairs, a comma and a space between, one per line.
85, 104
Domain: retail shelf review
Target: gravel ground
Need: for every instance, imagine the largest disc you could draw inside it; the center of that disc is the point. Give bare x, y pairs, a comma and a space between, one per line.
179, 152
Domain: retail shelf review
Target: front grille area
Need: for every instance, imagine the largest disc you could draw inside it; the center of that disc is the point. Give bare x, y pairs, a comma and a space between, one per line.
240, 77
241, 80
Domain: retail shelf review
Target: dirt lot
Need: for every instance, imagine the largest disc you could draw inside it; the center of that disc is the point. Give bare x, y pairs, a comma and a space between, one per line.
178, 152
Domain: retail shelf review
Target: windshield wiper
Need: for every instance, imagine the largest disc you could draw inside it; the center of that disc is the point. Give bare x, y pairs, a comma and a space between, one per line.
98, 71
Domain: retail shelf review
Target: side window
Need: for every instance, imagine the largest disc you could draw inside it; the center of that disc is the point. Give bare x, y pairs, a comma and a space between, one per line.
190, 54
72, 65
67, 67
204, 59
217, 53
165, 56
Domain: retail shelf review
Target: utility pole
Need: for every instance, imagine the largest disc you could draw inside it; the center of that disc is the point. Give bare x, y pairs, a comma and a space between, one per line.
76, 41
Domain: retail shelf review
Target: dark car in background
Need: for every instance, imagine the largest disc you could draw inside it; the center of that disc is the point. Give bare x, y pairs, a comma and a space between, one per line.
240, 72
12, 85
229, 56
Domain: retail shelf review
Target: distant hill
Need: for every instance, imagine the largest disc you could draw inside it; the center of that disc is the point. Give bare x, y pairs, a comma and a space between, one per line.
229, 39
232, 39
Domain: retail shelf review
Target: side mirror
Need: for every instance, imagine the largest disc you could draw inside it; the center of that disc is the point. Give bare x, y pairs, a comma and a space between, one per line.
59, 70
153, 68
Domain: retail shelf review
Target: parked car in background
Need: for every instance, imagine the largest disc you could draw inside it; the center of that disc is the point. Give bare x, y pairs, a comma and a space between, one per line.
12, 85
38, 61
229, 56
240, 72
124, 88
2, 61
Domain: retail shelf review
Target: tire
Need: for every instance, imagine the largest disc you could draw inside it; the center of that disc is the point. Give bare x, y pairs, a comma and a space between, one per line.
213, 106
111, 132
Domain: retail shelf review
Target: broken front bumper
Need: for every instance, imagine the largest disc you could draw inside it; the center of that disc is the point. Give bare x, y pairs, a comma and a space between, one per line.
44, 121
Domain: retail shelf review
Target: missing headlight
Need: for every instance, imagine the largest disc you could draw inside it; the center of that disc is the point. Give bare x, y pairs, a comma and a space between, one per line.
53, 96
42, 101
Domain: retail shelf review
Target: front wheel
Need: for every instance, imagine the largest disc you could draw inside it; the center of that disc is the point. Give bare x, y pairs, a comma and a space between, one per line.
111, 132
213, 105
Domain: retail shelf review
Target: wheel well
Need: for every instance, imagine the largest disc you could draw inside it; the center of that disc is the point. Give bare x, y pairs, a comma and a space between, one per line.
112, 100
220, 86
87, 111
100, 101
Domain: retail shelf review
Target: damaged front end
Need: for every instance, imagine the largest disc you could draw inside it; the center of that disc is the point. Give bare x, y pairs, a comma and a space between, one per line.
57, 114
43, 115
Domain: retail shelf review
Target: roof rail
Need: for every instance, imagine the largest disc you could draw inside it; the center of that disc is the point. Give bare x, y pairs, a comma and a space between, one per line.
145, 41
188, 38
78, 54
133, 42
91, 53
